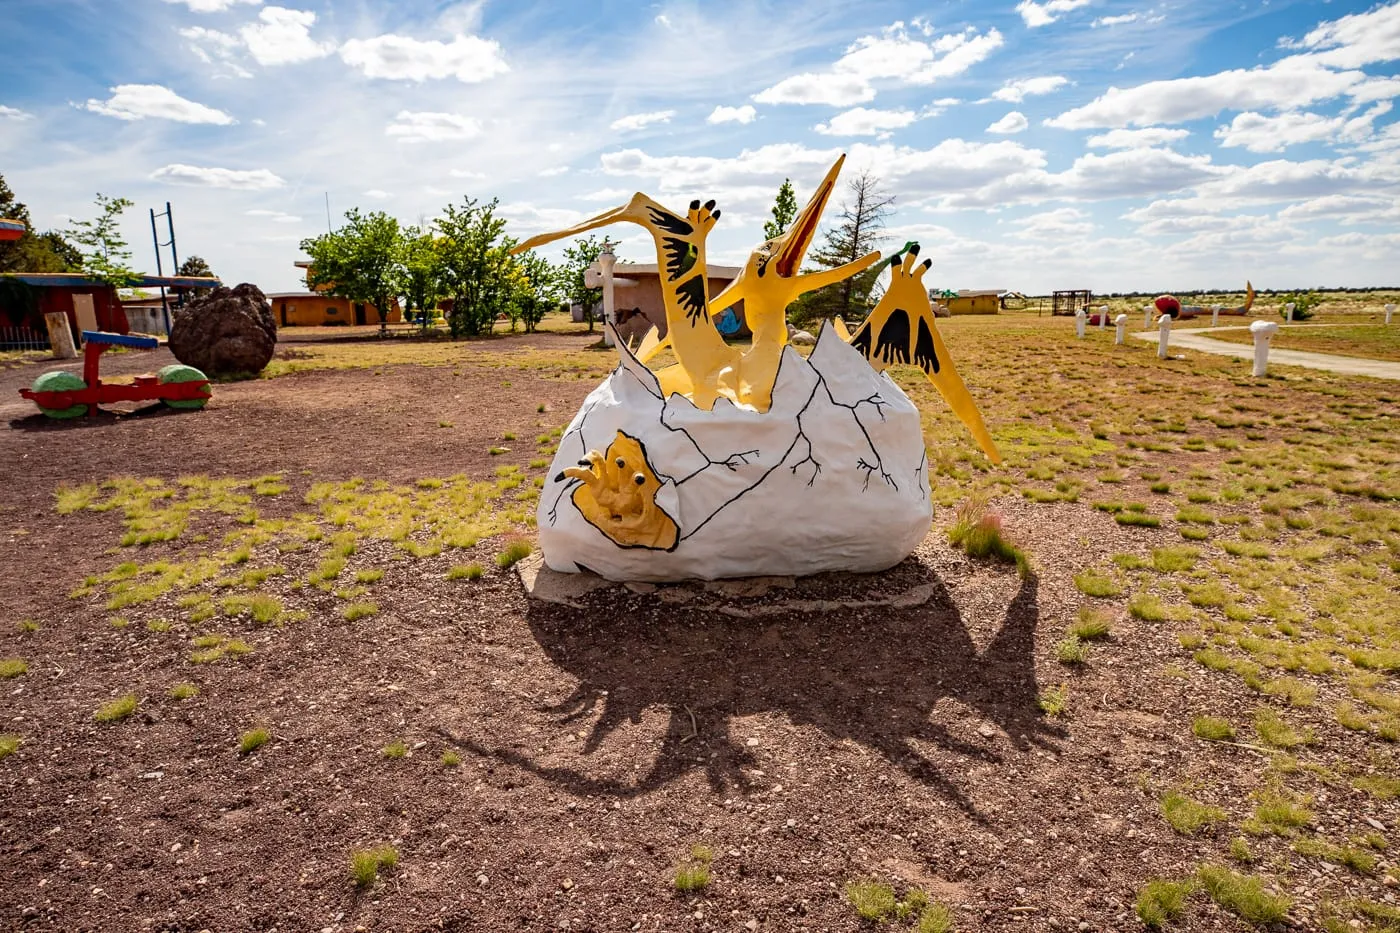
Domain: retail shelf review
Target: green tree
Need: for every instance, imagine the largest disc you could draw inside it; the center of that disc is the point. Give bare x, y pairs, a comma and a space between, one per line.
577, 259
476, 263
360, 261
857, 232
196, 267
33, 252
420, 280
538, 288
104, 250
784, 210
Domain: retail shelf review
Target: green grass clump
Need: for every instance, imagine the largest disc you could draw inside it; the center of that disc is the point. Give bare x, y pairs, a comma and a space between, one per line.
1274, 732
871, 899
12, 667
935, 918
253, 740
1160, 901
28, 626
365, 864
1148, 608
368, 576
183, 692
9, 744
357, 611
1187, 816
395, 750
1091, 582
116, 710
1138, 519
1240, 851
694, 874
1243, 895
1072, 650
1358, 860
451, 758
514, 552
1174, 559
1278, 813
979, 534
1091, 624
1212, 728
1053, 701
472, 571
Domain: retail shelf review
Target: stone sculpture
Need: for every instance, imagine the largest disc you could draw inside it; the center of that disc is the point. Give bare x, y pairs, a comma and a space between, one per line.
229, 331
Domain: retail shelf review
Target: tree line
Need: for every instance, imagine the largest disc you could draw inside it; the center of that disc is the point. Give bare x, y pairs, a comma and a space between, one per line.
463, 257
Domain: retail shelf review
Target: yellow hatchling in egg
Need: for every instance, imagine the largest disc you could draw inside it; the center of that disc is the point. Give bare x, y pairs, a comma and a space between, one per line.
617, 495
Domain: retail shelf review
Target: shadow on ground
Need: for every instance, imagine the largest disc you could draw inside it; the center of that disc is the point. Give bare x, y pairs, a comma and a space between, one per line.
869, 676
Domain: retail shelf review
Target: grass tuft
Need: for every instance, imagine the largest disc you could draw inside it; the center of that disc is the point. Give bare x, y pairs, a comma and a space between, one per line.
116, 710
395, 750
1187, 816
1243, 895
365, 864
253, 740
183, 692
694, 874
1160, 901
12, 667
1212, 728
514, 552
871, 899
472, 571
1091, 625
1092, 582
354, 612
979, 534
9, 744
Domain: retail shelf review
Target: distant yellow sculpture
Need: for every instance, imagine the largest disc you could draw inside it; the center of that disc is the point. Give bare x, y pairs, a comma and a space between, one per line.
901, 329
617, 495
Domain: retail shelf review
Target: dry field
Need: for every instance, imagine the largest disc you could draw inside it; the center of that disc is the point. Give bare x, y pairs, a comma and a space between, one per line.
270, 665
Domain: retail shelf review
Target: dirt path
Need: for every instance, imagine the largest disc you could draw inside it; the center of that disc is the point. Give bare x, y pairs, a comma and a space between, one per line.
1191, 339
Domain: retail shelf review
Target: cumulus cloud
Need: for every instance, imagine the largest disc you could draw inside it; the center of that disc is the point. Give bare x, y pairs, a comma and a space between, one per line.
1013, 122
1066, 221
214, 6
552, 172
895, 56
377, 194
1043, 14
1356, 39
140, 101
413, 127
14, 113
216, 48
637, 121
1260, 133
1290, 83
1014, 92
239, 179
1344, 209
864, 122
465, 173
1144, 138
469, 59
283, 37
1114, 20
1284, 180
743, 114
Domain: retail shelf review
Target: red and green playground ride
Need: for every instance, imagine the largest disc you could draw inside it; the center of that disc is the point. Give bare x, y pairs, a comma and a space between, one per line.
61, 394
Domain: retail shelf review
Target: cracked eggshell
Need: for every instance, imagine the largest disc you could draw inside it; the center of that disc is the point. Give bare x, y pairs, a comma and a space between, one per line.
833, 477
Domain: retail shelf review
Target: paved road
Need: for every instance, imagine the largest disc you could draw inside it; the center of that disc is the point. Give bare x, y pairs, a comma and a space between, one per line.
1191, 339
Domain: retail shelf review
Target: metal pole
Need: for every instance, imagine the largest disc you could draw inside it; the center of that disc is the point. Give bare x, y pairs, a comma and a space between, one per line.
164, 308
174, 256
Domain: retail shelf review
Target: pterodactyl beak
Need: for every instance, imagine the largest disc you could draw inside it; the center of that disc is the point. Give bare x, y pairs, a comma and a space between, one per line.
617, 214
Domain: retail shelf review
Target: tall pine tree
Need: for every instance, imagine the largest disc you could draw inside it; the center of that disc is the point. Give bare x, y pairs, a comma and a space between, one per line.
859, 230
784, 210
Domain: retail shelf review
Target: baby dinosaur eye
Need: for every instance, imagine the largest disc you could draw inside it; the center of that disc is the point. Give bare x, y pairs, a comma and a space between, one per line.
639, 479
621, 463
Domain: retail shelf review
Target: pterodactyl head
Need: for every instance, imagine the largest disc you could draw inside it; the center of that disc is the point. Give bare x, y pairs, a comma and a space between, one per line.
769, 280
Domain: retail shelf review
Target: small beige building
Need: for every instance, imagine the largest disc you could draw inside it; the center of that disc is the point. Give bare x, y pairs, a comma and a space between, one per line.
638, 300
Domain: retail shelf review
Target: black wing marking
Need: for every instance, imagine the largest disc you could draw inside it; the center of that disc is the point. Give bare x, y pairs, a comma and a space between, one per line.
670, 222
691, 296
681, 256
925, 352
892, 343
861, 341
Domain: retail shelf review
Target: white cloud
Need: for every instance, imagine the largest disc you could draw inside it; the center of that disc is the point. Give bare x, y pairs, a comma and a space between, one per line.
637, 121
1373, 89
1345, 209
605, 194
242, 180
283, 37
466, 173
864, 122
552, 172
1043, 14
377, 194
213, 47
1259, 133
721, 114
1144, 138
139, 101
1114, 20
213, 6
14, 113
1289, 83
276, 217
1284, 180
1066, 221
894, 55
469, 59
1016, 91
1013, 122
410, 127
1356, 39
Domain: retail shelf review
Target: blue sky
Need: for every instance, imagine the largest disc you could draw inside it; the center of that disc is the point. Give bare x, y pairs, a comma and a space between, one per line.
1040, 144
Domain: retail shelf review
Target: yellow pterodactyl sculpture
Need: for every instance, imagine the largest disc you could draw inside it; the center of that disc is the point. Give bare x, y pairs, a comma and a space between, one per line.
902, 329
706, 365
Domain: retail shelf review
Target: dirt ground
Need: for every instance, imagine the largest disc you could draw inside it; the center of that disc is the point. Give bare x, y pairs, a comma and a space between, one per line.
889, 729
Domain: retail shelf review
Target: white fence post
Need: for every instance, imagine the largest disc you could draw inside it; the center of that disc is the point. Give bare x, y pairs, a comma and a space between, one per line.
1079, 317
1288, 312
1263, 332
1121, 324
1103, 316
1164, 331
1146, 316
606, 260
1389, 310
1214, 315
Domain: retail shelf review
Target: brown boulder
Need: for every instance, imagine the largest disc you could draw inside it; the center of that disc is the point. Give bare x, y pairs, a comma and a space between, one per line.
230, 330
